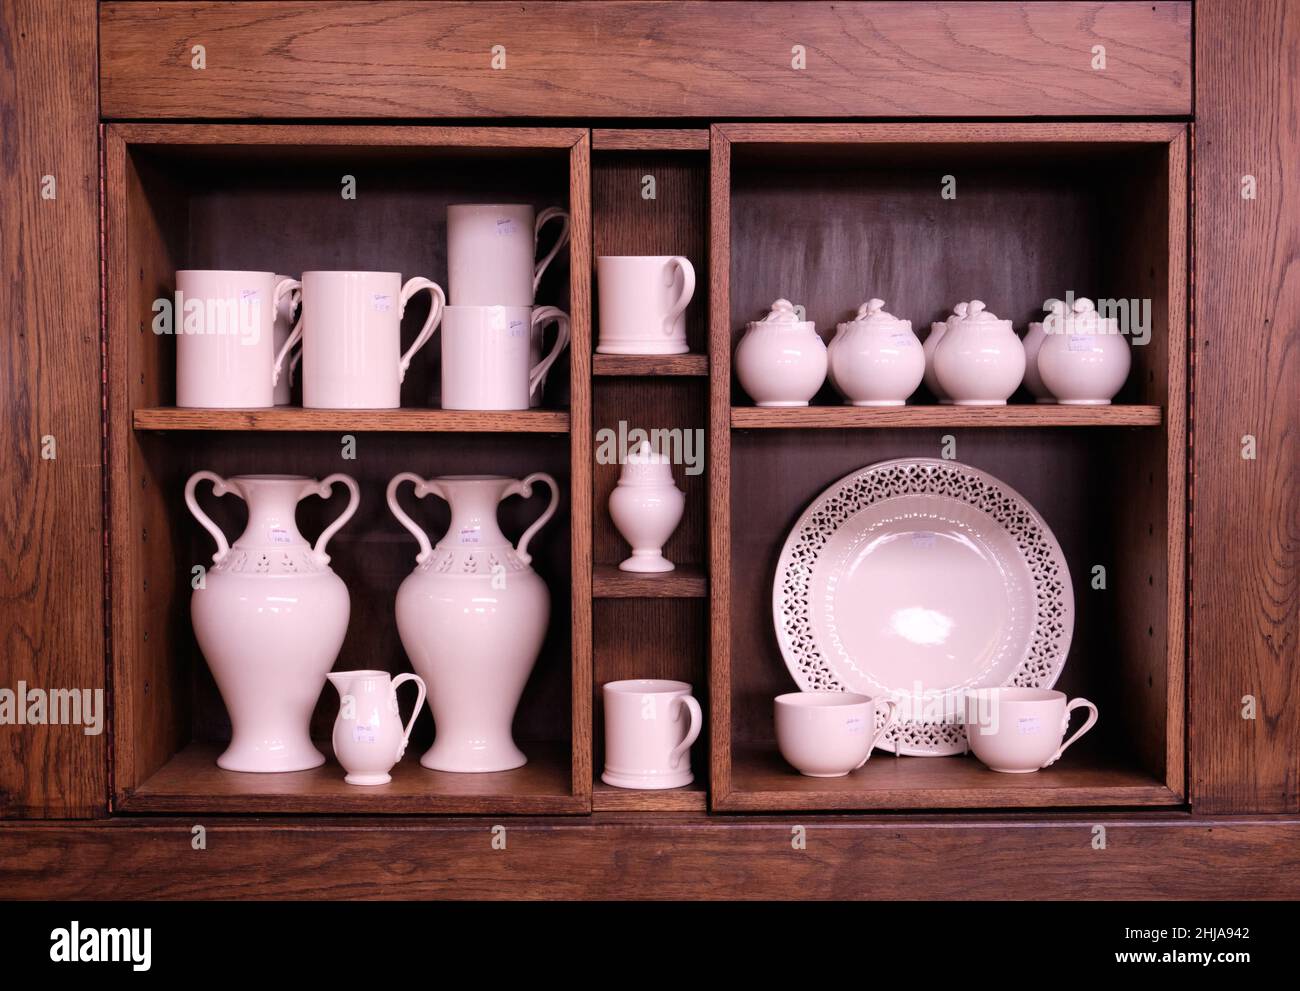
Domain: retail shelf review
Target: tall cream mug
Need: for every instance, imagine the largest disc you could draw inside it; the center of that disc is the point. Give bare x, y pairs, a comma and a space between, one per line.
351, 333
487, 354
650, 725
492, 252
643, 300
1016, 730
224, 323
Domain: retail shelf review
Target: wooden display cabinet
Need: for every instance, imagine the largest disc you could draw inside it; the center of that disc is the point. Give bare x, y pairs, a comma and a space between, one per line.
260, 197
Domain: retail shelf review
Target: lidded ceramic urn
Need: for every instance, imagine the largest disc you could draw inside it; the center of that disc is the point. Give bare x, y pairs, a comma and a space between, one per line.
781, 361
875, 359
980, 361
646, 507
1033, 341
1084, 359
937, 330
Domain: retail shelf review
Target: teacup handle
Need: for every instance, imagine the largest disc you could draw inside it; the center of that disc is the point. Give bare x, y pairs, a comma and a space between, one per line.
422, 488
219, 488
524, 488
430, 325
322, 489
892, 718
692, 731
293, 286
400, 680
543, 218
687, 293
1065, 724
542, 316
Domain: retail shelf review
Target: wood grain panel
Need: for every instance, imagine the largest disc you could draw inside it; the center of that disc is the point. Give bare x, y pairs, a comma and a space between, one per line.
342, 421
645, 59
1246, 514
1011, 415
51, 511
626, 856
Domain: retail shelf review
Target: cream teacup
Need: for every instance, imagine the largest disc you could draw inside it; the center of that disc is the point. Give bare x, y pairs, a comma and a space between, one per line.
1016, 730
829, 734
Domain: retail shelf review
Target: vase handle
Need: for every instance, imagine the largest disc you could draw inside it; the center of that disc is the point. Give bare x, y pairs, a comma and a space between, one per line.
219, 488
525, 488
322, 489
402, 679
422, 488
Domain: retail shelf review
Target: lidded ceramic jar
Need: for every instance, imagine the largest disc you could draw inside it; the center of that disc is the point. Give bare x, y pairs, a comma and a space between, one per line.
781, 361
646, 507
1084, 359
875, 359
980, 361
937, 330
1054, 308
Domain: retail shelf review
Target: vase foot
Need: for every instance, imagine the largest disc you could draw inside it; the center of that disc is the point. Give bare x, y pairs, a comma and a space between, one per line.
467, 760
647, 564
270, 760
367, 779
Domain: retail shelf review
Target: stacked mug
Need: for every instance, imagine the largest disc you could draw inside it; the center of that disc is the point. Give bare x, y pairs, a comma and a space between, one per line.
492, 331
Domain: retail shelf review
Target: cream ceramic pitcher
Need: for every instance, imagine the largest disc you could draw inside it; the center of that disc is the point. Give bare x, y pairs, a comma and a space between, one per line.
369, 737
472, 617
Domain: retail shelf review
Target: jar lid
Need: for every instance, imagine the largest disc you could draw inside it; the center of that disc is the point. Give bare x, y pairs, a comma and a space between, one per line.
783, 315
645, 465
977, 318
1079, 317
872, 315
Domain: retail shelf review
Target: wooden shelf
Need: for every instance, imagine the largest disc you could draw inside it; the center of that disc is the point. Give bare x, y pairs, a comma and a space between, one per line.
649, 139
762, 780
293, 418
191, 782
1013, 415
650, 364
691, 798
684, 582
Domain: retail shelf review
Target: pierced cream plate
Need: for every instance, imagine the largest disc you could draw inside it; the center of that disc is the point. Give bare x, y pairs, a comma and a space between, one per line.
918, 580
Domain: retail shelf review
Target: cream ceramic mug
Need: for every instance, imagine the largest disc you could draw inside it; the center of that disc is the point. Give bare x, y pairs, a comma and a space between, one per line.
1016, 730
643, 300
487, 354
351, 333
224, 323
491, 252
829, 734
650, 724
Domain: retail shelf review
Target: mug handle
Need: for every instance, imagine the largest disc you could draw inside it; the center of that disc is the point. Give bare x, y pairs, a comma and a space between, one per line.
543, 218
402, 679
322, 489
692, 732
880, 733
525, 488
430, 325
219, 488
1065, 724
422, 488
541, 317
687, 294
293, 286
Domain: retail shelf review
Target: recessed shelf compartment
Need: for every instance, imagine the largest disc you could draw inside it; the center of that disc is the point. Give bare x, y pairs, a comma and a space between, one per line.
683, 582
1011, 415
650, 364
690, 798
827, 214
396, 420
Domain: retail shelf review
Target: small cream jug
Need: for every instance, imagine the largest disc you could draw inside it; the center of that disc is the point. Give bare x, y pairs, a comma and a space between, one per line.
781, 361
369, 737
875, 359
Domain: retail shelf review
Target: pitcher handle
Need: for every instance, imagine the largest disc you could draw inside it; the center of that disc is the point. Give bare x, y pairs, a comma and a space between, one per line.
422, 488
430, 325
692, 732
687, 294
1065, 724
219, 488
525, 488
294, 287
542, 316
543, 218
322, 489
402, 679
